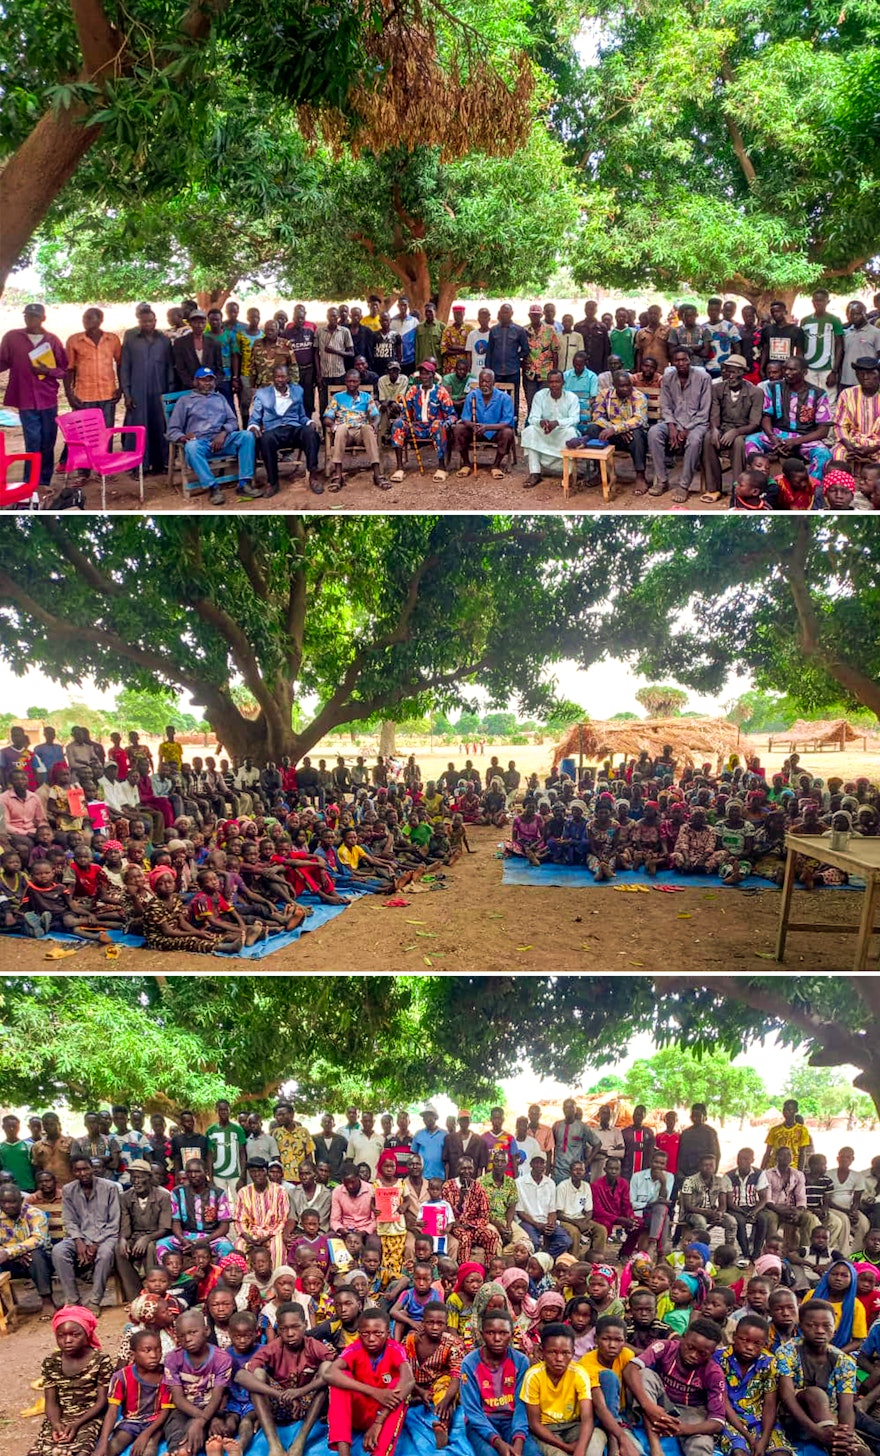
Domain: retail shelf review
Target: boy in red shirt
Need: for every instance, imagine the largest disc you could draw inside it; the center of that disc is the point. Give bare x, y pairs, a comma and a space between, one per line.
370, 1385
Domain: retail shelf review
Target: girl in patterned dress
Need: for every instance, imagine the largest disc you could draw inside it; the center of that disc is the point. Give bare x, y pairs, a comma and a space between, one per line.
75, 1380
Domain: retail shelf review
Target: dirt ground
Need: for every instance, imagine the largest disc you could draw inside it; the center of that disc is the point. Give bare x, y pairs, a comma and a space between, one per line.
22, 1353
479, 925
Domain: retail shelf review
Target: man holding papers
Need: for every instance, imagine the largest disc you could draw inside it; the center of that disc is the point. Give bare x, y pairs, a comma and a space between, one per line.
36, 362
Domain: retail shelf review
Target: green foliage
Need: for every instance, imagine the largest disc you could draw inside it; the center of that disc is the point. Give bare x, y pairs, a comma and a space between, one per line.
36, 713
499, 724
675, 1077
563, 714
759, 174
661, 700
611, 1083
150, 712
625, 718
824, 1094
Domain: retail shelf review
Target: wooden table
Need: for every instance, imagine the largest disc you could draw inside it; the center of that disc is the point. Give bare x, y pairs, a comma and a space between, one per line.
862, 858
603, 455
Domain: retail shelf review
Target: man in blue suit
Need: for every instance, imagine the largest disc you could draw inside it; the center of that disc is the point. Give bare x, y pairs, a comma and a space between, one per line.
280, 422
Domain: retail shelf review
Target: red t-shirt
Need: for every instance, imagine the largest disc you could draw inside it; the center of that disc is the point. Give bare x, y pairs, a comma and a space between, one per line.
380, 1373
667, 1142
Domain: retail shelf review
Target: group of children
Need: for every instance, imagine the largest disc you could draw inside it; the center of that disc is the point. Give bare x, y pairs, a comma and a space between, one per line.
732, 823
520, 1356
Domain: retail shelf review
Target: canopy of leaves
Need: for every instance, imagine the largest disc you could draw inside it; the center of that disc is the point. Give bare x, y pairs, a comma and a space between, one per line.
824, 1094
675, 1077
660, 700
391, 1039
728, 144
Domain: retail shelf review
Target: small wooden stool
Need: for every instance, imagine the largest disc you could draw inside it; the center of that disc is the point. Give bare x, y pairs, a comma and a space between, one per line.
604, 456
7, 1303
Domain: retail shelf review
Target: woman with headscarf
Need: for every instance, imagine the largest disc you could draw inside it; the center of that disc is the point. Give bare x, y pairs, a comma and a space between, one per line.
262, 1212
470, 1205
161, 916
388, 1212
839, 1286
515, 1283
549, 1308
540, 1282
460, 1304
75, 1379
154, 1312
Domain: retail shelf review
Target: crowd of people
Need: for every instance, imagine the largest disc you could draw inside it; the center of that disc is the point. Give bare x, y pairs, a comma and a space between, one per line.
570, 1286
210, 857
792, 407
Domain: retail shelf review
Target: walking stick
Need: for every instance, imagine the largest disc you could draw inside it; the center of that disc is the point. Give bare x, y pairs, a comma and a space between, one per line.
474, 421
412, 433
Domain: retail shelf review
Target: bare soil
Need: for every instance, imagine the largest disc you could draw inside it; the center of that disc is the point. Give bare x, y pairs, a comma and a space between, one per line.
478, 924
23, 1351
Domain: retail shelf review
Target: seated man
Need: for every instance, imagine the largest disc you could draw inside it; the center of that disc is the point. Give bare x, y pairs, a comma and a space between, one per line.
680, 1389
457, 382
145, 1219
650, 1192
428, 412
489, 416
620, 418
91, 1212
612, 1207
198, 1211
704, 1202
279, 421
553, 418
370, 1385
817, 1384
391, 389
24, 1243
685, 406
584, 383
207, 424
352, 416
795, 420
735, 413
856, 429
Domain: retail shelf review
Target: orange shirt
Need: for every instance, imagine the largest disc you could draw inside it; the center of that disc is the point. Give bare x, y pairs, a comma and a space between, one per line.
94, 366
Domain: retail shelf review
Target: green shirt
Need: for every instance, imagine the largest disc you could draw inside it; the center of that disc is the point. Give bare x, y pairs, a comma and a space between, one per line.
457, 387
428, 337
821, 334
15, 1158
225, 1143
621, 341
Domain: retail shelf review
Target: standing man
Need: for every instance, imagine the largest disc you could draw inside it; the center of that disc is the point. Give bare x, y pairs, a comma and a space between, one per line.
302, 340
92, 380
429, 337
507, 351
780, 340
823, 355
92, 1214
611, 1143
366, 1144
196, 350
861, 339
295, 1142
696, 1141
51, 1152
226, 1140
334, 345
430, 1143
464, 1143
789, 1133
652, 341
542, 1132
638, 1142
536, 1208
15, 1155
228, 379
597, 345
330, 1148
573, 1142
37, 362
405, 324
497, 1140
146, 372
685, 407
543, 353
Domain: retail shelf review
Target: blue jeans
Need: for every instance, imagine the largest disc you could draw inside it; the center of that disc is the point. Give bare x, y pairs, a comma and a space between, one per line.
238, 442
40, 427
556, 1243
503, 1425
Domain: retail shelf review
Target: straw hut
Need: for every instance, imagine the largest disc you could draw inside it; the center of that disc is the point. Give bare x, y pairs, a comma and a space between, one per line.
693, 740
824, 733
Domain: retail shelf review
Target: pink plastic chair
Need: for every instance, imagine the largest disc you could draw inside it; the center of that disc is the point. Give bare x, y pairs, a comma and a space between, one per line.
88, 448
12, 492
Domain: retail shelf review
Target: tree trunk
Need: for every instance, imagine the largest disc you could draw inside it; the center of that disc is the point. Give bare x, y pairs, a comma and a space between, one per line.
212, 297
35, 174
761, 299
446, 297
386, 738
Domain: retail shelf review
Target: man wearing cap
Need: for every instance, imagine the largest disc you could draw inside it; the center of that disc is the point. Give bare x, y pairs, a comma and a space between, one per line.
734, 413
391, 389
33, 384
279, 421
205, 421
196, 350
146, 372
857, 417
536, 1208
145, 1217
453, 345
428, 413
430, 1142
464, 1143
543, 353
352, 416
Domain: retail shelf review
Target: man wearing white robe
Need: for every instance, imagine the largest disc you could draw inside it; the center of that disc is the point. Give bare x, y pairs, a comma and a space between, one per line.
553, 421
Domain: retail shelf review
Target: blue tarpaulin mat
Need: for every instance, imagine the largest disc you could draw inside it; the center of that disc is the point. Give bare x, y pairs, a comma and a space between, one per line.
576, 877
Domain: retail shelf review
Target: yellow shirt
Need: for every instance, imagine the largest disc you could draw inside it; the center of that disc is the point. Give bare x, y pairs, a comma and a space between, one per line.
351, 857
795, 1138
171, 753
860, 1319
372, 321
560, 1403
590, 1363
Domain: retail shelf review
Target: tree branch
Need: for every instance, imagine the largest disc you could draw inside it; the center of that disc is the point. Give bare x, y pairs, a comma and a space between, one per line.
100, 42
795, 568
79, 561
297, 598
248, 558
736, 136
243, 655
400, 632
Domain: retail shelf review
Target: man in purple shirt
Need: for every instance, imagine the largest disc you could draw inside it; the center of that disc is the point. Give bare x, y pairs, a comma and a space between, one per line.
33, 388
681, 1389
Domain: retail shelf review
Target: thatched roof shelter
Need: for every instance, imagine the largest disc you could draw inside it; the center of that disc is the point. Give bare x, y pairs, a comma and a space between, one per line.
693, 740
824, 733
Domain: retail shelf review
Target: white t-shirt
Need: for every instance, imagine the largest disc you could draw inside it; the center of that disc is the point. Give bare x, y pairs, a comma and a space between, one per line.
843, 1192
536, 1200
476, 343
574, 1202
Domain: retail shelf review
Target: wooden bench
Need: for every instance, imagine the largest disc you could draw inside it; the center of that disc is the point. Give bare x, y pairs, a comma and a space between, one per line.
604, 457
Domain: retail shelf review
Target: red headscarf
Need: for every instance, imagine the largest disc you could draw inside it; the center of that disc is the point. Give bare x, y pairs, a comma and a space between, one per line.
463, 1271
77, 1314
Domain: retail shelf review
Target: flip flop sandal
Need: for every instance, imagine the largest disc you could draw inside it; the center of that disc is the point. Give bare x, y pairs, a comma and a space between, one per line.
58, 955
397, 477
111, 952
463, 473
337, 485
657, 488
710, 497
383, 483
497, 474
440, 475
